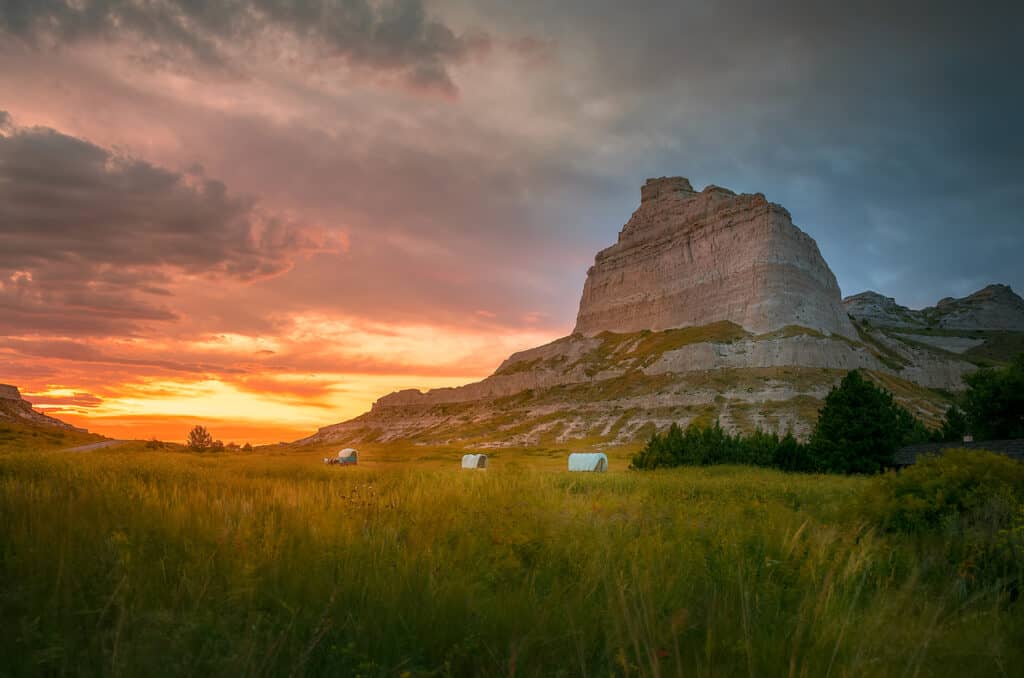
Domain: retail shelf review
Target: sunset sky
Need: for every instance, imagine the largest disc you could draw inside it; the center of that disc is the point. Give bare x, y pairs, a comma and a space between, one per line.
262, 215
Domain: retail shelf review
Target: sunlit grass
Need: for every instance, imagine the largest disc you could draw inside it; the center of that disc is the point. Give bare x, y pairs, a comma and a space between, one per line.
139, 562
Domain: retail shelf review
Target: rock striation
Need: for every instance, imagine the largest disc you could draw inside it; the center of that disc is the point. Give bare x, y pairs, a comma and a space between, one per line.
688, 259
711, 306
16, 409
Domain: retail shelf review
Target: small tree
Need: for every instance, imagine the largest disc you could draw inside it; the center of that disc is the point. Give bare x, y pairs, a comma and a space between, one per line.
954, 425
860, 427
994, 402
199, 438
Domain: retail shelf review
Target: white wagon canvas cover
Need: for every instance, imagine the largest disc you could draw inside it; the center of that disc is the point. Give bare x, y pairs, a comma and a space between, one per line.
474, 461
346, 457
595, 462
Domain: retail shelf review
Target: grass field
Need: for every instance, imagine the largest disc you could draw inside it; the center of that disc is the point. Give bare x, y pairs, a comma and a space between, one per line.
137, 562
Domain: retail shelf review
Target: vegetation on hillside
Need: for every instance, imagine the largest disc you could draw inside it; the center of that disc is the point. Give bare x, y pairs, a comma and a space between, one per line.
858, 431
994, 402
15, 436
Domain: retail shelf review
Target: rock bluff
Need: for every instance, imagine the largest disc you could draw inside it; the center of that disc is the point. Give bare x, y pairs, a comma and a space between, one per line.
15, 408
711, 306
995, 307
689, 259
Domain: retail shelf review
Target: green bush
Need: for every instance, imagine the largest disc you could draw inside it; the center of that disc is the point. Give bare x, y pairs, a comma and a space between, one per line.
710, 445
965, 509
971, 484
860, 427
994, 402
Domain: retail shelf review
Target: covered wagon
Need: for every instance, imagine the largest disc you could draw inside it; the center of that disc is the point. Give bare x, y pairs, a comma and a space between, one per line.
594, 462
475, 461
346, 457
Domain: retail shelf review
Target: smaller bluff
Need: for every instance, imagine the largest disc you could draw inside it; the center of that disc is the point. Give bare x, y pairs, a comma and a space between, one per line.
992, 308
689, 259
14, 408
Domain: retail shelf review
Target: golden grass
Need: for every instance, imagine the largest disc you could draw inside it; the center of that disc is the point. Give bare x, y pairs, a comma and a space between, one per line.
126, 562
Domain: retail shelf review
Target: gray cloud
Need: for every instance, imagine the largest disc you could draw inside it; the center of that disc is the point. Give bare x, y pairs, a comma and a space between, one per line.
89, 239
889, 129
396, 35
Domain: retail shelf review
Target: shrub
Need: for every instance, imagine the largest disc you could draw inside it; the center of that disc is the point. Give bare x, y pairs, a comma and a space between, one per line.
967, 507
994, 402
975, 484
954, 425
709, 445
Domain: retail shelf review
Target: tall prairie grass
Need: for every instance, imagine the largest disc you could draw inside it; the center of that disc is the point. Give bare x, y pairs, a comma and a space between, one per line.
157, 564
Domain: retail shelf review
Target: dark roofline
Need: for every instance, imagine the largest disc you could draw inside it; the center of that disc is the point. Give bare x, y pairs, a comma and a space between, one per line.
1013, 448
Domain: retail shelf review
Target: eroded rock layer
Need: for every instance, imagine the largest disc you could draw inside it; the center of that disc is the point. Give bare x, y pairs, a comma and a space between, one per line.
16, 409
712, 306
689, 259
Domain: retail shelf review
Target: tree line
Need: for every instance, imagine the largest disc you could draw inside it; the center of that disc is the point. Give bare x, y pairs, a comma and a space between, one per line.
858, 430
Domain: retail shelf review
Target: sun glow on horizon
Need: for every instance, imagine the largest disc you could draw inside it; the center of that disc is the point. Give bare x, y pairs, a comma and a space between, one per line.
249, 386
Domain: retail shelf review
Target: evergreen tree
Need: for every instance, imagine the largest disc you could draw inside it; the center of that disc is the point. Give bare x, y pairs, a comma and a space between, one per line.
954, 425
994, 402
860, 427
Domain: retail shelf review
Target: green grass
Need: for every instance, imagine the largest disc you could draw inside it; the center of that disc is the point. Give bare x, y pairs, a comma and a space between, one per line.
635, 350
999, 347
127, 562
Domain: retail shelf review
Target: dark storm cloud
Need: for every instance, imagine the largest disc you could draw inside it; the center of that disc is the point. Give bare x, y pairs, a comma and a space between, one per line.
89, 239
889, 129
396, 35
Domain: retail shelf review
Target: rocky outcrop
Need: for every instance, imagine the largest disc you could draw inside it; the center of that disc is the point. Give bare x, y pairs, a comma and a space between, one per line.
16, 409
992, 308
711, 306
995, 307
882, 311
689, 259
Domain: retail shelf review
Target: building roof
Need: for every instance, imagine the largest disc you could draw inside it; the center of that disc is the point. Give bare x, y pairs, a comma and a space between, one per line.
905, 456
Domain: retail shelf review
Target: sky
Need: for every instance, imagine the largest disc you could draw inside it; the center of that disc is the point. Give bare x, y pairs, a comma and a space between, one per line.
261, 215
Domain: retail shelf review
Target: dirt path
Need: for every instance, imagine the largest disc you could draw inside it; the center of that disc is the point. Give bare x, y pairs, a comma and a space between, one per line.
95, 446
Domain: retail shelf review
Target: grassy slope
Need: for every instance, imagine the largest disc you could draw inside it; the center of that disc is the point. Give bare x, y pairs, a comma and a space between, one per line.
17, 436
1000, 347
579, 404
273, 564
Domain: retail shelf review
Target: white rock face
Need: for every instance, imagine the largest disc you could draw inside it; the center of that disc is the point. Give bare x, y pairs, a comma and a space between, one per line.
770, 337
689, 259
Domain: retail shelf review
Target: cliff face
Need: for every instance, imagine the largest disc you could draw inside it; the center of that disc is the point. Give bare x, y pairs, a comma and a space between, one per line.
712, 306
688, 259
18, 410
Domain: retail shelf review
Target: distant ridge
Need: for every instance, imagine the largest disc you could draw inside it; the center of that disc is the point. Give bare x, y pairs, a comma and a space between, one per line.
994, 307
